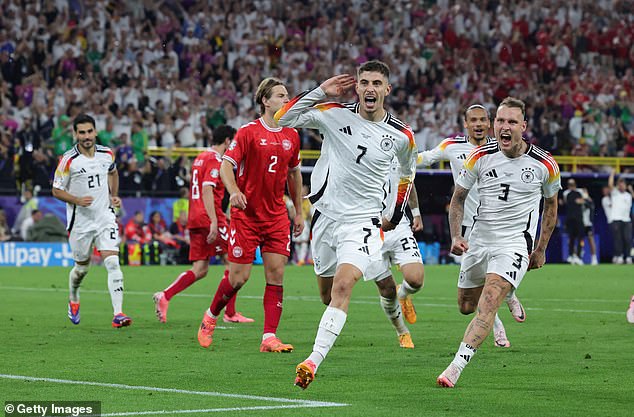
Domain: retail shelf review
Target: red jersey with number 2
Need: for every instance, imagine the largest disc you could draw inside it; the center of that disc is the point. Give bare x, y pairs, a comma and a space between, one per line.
262, 156
205, 171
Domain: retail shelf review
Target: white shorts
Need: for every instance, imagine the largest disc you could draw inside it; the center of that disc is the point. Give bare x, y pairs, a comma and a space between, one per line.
334, 243
81, 243
399, 248
510, 262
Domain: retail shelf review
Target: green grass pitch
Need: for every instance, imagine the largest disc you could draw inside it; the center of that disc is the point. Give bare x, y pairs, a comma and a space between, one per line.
572, 356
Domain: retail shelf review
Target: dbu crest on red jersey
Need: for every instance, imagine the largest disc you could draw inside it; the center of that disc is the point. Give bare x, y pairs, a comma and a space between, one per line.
286, 144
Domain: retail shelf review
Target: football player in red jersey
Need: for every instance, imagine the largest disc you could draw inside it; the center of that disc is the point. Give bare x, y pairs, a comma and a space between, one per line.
207, 224
266, 157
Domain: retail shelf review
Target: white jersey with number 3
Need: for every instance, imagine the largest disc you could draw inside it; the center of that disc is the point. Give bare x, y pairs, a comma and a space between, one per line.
82, 176
510, 191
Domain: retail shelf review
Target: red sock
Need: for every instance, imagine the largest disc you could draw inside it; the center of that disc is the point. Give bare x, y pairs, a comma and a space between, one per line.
273, 295
224, 293
230, 309
183, 281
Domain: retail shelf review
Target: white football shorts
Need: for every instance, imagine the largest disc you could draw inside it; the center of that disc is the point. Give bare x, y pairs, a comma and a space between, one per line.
399, 248
334, 243
509, 261
81, 243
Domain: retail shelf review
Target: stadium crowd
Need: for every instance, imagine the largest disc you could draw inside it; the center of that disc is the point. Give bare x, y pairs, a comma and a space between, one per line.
166, 73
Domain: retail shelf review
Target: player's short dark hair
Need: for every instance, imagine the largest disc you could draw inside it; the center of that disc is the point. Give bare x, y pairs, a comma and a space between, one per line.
221, 133
475, 106
374, 66
83, 118
265, 90
514, 102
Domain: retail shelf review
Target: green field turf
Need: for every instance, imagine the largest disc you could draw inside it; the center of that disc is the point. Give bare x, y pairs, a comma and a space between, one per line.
572, 356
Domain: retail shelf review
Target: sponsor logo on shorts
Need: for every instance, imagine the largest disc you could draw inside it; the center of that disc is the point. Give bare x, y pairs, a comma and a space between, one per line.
462, 276
237, 251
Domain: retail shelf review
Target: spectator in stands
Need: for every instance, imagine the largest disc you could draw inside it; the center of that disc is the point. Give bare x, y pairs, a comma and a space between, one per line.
5, 230
48, 228
62, 135
181, 205
180, 234
134, 229
29, 222
130, 179
30, 203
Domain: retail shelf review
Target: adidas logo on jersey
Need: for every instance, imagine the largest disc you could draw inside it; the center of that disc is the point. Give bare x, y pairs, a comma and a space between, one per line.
82, 171
491, 174
512, 275
346, 130
462, 156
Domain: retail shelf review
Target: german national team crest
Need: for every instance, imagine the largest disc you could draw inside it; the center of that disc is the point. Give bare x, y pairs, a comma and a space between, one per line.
387, 142
214, 173
528, 175
237, 251
286, 144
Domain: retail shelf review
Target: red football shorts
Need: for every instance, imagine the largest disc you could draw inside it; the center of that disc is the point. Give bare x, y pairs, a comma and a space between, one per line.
245, 236
200, 250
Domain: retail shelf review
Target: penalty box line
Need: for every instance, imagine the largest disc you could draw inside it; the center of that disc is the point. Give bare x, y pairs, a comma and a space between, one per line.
290, 403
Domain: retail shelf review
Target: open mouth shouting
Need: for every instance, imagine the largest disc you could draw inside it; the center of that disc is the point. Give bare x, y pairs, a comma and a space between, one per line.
370, 102
506, 139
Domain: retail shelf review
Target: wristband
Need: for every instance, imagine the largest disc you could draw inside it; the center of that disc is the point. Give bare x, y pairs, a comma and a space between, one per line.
415, 212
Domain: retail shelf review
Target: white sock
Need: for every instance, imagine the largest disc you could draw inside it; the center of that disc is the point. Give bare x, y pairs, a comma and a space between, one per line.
302, 251
406, 290
267, 335
75, 277
332, 321
210, 314
392, 309
497, 324
464, 355
115, 282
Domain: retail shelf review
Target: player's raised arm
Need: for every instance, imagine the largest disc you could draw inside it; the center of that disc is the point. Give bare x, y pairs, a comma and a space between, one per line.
303, 111
407, 162
430, 157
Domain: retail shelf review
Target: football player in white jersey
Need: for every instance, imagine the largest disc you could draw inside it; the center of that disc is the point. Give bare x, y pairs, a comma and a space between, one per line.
87, 180
512, 177
360, 141
455, 150
399, 248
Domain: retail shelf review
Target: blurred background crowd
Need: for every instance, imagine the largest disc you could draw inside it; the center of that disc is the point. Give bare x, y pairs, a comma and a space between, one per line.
165, 73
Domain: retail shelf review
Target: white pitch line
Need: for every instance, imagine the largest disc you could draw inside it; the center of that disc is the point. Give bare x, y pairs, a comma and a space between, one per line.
353, 301
293, 403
